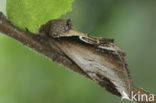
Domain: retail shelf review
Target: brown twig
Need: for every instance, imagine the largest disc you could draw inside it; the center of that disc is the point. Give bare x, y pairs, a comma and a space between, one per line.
38, 43
67, 52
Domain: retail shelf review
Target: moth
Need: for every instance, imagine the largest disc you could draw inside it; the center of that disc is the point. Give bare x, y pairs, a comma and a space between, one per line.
98, 57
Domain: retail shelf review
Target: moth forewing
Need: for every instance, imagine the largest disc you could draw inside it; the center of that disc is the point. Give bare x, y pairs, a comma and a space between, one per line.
100, 67
99, 58
87, 38
73, 32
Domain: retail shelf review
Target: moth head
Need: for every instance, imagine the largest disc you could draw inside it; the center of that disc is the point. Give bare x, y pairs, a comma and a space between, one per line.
57, 27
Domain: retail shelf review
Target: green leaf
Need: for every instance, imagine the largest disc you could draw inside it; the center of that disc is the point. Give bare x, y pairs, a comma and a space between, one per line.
33, 13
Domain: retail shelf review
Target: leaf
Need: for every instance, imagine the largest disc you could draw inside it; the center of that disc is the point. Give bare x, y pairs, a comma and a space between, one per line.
32, 13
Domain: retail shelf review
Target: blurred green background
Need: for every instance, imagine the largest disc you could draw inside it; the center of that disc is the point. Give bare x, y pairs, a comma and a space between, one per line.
27, 77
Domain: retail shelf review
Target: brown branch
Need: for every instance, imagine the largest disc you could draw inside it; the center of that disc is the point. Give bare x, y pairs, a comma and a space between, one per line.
98, 59
38, 43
